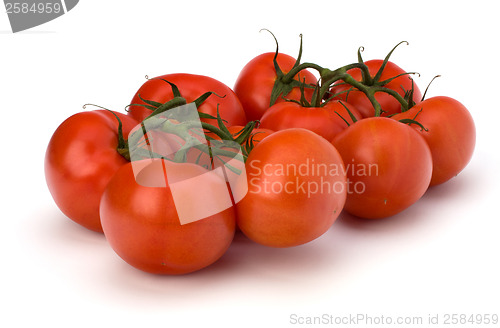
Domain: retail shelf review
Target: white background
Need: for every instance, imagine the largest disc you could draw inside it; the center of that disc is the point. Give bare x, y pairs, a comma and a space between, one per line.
438, 257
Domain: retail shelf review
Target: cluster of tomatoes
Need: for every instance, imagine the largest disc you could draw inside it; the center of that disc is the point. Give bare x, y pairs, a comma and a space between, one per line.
361, 138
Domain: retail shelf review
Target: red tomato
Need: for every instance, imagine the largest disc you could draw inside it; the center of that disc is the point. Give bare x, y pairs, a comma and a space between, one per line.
80, 160
388, 166
143, 226
324, 120
256, 81
450, 133
388, 103
191, 87
296, 189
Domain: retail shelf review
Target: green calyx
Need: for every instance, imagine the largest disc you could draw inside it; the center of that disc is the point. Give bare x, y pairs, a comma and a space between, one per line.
284, 83
157, 108
221, 144
413, 120
369, 84
178, 100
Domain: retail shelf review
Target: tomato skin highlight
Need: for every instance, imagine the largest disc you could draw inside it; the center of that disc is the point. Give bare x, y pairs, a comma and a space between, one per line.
387, 102
451, 134
191, 86
142, 225
256, 81
324, 120
388, 166
288, 215
81, 158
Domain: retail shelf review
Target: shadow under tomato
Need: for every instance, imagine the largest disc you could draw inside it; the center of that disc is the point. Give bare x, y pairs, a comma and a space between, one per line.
439, 211
52, 227
395, 222
308, 259
465, 184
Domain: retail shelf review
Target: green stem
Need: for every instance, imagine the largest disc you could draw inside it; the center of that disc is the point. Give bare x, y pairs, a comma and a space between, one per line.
327, 74
395, 94
289, 77
368, 90
223, 135
184, 130
175, 102
377, 76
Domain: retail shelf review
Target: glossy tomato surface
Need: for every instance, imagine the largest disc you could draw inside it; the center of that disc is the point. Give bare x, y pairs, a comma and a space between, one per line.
327, 121
449, 131
296, 189
143, 226
388, 166
80, 160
